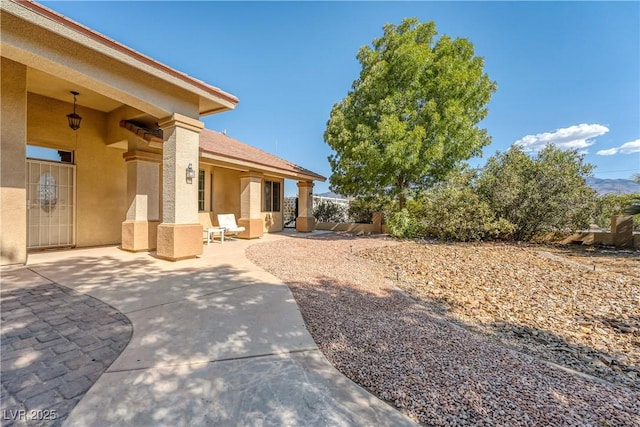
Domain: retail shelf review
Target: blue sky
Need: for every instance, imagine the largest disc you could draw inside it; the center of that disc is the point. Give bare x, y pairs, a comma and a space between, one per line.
567, 72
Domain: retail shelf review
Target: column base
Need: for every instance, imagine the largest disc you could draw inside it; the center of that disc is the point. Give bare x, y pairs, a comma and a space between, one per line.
254, 228
179, 241
139, 235
305, 224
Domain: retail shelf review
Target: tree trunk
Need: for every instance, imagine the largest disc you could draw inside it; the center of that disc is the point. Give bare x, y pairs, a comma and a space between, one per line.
402, 198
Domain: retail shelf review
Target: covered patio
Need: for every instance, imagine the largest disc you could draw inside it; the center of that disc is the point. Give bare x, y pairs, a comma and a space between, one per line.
136, 166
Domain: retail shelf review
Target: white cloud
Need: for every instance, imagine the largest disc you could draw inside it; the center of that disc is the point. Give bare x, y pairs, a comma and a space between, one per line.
626, 148
574, 137
630, 147
609, 152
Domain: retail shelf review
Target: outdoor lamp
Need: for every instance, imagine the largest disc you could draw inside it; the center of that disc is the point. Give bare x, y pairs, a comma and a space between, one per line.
74, 119
190, 173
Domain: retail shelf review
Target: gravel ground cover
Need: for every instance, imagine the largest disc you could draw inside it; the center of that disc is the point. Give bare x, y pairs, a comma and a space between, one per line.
545, 301
416, 355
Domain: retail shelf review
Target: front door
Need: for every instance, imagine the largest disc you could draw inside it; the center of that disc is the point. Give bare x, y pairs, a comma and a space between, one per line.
50, 204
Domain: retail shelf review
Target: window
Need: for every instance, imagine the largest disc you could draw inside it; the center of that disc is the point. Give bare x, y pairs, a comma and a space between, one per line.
53, 154
201, 190
271, 197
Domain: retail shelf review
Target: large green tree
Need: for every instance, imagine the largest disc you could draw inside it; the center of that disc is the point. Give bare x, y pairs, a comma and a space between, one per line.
411, 116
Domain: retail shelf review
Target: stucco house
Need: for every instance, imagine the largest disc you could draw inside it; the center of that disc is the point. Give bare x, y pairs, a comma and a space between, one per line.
140, 170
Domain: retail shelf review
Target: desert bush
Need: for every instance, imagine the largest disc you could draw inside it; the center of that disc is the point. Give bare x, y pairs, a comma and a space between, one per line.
538, 194
327, 211
404, 224
457, 213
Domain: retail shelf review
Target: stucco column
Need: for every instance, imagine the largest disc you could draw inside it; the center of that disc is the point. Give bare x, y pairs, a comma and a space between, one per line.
180, 234
143, 199
250, 205
305, 222
622, 231
13, 143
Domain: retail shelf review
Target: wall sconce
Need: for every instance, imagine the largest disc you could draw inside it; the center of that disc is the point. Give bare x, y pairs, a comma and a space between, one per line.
190, 173
73, 118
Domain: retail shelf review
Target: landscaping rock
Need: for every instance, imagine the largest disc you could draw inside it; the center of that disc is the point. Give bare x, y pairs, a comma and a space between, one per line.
446, 356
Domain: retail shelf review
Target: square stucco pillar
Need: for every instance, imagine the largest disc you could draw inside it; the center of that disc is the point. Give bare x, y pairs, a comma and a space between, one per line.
139, 230
180, 233
13, 143
622, 231
305, 222
250, 212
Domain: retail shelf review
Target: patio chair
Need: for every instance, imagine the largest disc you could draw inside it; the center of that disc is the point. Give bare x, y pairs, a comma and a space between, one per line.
228, 222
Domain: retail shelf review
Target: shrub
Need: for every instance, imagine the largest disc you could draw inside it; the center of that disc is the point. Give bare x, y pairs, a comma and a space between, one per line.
457, 213
404, 224
540, 194
326, 211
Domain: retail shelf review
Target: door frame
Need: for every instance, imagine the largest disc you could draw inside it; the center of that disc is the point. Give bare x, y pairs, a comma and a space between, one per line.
74, 203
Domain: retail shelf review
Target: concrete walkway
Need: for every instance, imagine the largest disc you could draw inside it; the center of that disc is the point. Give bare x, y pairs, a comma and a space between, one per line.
216, 341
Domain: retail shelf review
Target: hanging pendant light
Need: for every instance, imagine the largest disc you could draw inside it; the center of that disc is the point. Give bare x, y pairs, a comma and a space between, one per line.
74, 119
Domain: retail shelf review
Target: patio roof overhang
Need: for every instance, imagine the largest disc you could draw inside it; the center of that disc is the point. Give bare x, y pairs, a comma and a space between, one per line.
63, 55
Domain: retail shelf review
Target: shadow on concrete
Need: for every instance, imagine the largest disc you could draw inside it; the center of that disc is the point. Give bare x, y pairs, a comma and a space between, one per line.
214, 344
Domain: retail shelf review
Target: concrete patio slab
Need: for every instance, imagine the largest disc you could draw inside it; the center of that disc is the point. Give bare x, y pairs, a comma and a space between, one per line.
216, 341
284, 390
21, 278
247, 321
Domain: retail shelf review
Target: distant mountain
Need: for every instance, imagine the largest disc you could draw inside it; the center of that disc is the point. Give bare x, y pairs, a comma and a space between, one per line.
613, 186
602, 186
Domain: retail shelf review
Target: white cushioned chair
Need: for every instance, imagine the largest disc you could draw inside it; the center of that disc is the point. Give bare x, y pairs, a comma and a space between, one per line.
228, 222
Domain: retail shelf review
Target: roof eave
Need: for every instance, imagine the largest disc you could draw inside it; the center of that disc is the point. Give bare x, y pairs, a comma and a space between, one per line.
209, 93
252, 165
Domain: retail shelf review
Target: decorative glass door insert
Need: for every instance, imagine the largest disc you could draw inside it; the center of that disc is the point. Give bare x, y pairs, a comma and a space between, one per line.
50, 204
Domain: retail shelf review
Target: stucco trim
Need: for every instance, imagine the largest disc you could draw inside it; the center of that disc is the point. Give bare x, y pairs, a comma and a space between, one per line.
241, 164
181, 121
142, 155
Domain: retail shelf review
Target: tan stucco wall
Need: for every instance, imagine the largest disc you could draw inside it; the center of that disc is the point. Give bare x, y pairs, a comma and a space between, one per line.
13, 210
273, 221
101, 172
226, 192
349, 227
598, 238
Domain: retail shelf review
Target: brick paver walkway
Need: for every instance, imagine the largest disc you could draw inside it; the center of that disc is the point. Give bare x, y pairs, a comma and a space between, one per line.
54, 344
